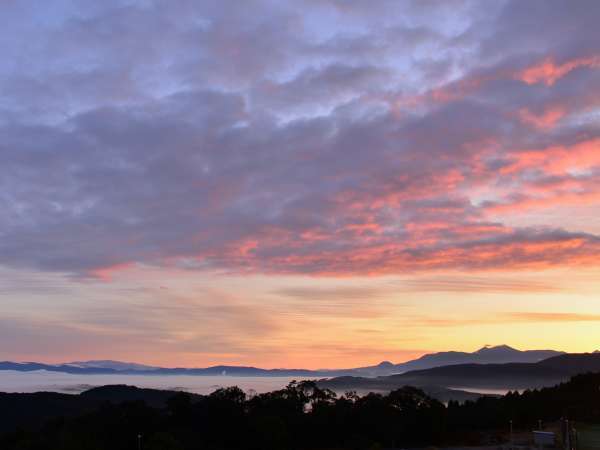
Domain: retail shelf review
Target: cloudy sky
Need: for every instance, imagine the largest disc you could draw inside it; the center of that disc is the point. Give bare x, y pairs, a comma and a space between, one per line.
317, 183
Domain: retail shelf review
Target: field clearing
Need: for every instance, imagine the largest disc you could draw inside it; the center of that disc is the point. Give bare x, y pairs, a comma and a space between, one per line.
588, 437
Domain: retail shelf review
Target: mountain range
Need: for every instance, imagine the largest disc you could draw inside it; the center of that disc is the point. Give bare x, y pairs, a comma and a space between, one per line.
504, 376
486, 355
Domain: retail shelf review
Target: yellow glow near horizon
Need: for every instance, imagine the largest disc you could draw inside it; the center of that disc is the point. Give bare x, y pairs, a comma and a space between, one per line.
181, 319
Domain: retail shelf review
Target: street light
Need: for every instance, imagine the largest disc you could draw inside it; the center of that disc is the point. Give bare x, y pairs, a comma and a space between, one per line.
139, 436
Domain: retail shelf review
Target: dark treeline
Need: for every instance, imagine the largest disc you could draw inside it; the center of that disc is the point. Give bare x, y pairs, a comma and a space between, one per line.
301, 416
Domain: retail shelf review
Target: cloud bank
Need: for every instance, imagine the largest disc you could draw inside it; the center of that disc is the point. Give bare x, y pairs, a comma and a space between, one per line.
320, 137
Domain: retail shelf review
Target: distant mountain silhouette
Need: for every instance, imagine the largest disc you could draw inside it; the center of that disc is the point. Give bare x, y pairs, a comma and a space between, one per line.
125, 368
64, 368
479, 376
486, 355
109, 364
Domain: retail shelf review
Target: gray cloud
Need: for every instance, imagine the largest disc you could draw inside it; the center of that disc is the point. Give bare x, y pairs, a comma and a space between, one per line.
262, 138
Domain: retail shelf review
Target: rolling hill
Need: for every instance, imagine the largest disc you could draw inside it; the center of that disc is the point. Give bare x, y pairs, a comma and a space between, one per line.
479, 376
486, 355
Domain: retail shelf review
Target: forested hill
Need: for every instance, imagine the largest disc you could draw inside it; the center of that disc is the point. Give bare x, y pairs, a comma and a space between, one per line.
483, 376
301, 416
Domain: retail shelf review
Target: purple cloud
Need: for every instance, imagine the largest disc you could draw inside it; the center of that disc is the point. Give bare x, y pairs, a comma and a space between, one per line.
319, 137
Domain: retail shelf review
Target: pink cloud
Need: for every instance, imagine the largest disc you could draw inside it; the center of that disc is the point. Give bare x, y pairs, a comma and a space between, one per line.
545, 120
549, 72
107, 273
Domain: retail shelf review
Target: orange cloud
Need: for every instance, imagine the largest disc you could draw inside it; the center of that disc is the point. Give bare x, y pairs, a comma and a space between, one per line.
550, 176
548, 201
556, 159
496, 249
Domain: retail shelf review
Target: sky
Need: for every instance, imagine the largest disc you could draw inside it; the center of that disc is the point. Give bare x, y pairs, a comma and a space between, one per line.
317, 183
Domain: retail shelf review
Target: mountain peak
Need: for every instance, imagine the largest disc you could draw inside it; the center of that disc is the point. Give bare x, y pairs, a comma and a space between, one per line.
496, 349
385, 364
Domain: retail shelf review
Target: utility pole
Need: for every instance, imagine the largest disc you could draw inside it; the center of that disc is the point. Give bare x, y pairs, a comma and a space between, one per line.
511, 434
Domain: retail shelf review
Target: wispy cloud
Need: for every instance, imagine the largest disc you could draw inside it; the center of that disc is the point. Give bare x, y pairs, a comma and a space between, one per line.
552, 317
461, 283
498, 319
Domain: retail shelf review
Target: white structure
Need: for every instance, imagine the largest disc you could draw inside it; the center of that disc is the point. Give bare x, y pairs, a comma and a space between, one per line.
544, 439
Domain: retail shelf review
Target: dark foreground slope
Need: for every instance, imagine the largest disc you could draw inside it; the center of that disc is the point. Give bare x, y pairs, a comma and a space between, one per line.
32, 410
479, 376
301, 416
